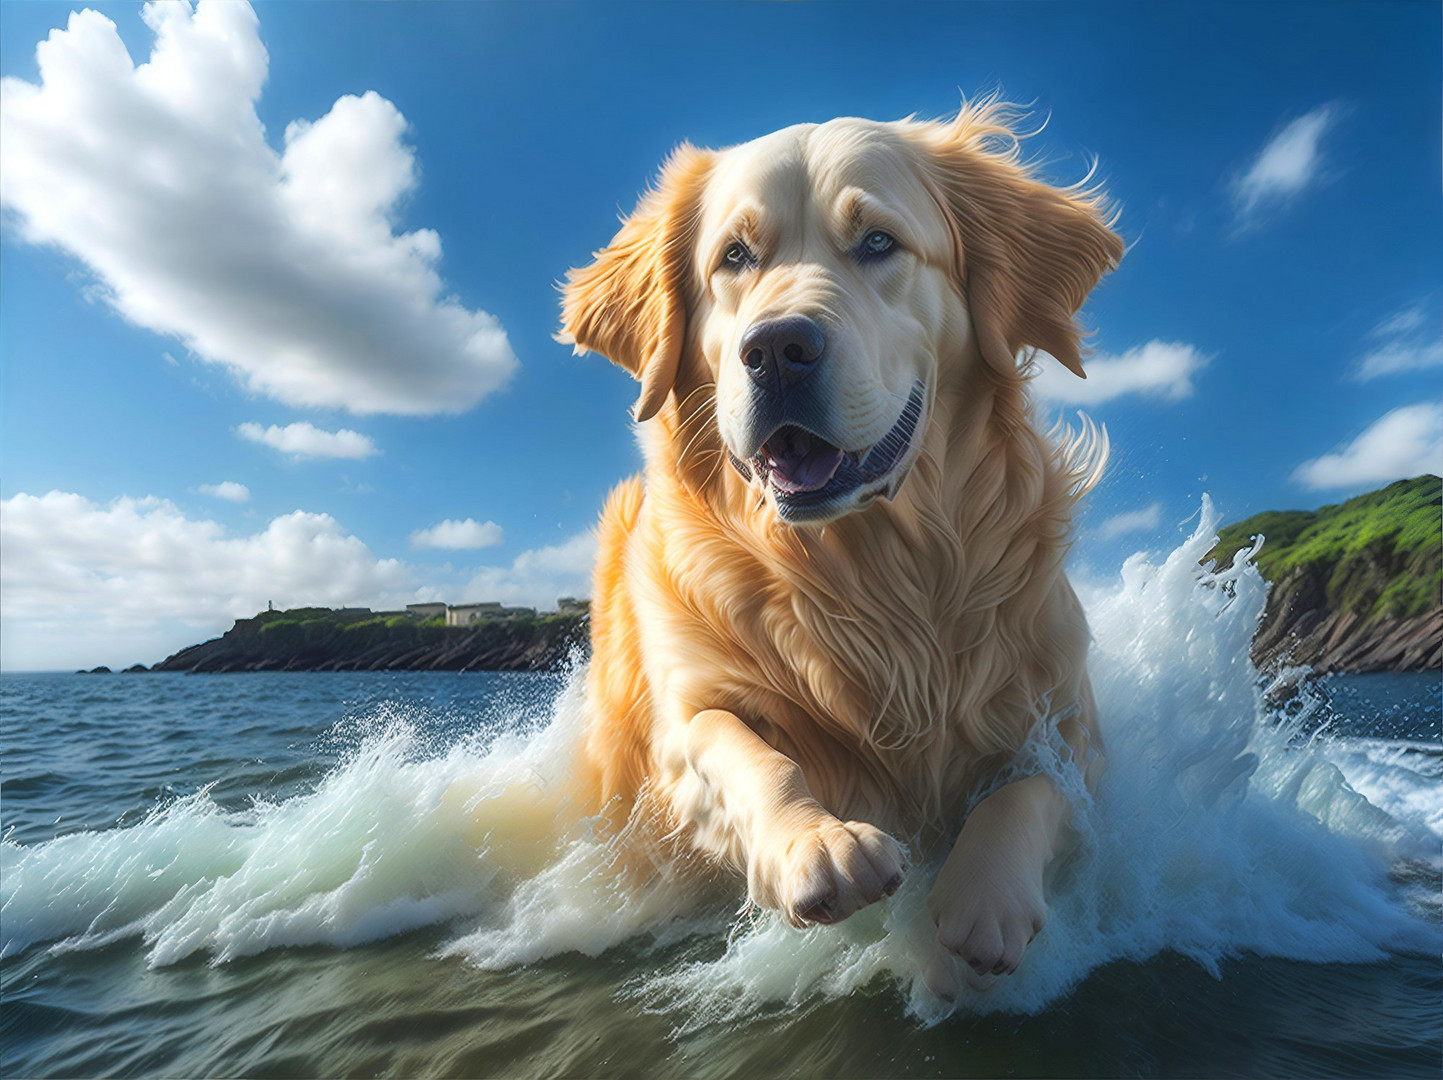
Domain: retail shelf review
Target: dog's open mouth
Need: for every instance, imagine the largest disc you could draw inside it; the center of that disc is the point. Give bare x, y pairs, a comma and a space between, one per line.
811, 478
796, 461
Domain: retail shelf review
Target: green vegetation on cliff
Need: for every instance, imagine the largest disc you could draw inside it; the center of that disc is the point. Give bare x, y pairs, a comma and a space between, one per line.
1375, 556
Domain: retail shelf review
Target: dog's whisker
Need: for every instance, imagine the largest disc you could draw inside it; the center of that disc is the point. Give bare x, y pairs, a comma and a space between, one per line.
700, 411
692, 443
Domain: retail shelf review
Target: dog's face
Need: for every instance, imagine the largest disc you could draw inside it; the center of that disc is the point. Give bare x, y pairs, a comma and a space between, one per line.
826, 303
824, 280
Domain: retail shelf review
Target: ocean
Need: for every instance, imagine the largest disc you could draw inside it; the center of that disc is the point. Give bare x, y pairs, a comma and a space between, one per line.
378, 874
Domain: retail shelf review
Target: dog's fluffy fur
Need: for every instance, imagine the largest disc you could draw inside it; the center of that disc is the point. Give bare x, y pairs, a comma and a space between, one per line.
787, 698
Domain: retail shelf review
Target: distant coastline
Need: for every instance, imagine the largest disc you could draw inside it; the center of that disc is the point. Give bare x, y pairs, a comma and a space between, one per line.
357, 639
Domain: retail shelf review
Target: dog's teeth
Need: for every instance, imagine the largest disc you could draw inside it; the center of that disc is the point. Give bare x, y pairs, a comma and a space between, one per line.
894, 485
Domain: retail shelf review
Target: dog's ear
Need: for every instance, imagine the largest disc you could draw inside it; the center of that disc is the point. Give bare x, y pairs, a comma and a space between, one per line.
630, 304
1028, 253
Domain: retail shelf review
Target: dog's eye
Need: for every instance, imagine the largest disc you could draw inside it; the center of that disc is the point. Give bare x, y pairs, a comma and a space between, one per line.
876, 244
738, 257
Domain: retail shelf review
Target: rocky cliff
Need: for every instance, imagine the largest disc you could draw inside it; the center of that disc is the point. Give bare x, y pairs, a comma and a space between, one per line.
321, 639
1355, 587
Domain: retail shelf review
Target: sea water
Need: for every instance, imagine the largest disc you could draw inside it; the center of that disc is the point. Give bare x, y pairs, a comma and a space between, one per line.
381, 873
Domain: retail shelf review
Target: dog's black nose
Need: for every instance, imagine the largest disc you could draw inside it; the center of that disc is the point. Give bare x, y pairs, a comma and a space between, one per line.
779, 353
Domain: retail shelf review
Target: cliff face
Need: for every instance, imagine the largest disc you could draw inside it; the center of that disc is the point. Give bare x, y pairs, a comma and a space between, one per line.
318, 639
1355, 587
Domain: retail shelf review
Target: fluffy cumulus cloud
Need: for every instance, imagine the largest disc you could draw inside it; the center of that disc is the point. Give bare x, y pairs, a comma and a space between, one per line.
1405, 442
1407, 340
286, 268
1145, 520
538, 577
82, 583
1162, 370
1289, 163
228, 490
459, 535
303, 440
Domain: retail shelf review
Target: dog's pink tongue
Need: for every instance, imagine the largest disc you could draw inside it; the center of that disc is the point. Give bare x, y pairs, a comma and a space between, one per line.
800, 460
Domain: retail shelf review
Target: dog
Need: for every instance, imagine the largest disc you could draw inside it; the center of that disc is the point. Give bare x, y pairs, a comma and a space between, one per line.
832, 610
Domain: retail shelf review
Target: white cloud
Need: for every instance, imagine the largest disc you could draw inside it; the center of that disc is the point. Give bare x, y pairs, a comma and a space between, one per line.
1144, 520
1405, 442
1289, 162
228, 490
1399, 356
303, 440
1402, 322
284, 268
1407, 340
537, 577
458, 535
83, 584
1159, 369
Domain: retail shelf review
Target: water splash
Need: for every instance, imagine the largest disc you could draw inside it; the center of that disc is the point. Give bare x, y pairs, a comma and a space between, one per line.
1218, 830
1215, 832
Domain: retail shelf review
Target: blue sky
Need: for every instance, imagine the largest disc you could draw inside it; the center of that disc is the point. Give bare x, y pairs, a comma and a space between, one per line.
1272, 337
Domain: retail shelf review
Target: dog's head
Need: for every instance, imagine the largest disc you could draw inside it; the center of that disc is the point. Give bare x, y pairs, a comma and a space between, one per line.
826, 282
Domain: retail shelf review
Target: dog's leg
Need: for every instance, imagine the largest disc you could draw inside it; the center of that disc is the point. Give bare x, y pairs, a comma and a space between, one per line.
749, 804
988, 899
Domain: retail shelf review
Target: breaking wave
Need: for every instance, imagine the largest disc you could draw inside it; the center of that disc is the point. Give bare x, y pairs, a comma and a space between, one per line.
1219, 829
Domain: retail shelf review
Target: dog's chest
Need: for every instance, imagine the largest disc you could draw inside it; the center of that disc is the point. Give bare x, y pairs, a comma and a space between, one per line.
854, 655
868, 702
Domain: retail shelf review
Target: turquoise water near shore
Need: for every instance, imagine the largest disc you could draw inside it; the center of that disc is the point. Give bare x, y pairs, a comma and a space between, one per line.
334, 874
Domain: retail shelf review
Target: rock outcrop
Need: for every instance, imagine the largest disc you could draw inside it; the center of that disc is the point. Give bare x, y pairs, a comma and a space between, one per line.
1355, 587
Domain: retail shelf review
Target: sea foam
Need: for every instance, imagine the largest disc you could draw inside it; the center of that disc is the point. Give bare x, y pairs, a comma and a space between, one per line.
1218, 830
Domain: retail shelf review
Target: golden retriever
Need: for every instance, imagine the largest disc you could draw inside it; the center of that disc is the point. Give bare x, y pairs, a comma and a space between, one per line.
832, 609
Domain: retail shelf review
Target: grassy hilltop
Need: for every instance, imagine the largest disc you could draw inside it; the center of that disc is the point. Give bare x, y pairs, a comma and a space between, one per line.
1356, 586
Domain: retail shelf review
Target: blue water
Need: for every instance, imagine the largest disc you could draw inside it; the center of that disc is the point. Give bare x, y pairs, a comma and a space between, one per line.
316, 874
1397, 707
90, 752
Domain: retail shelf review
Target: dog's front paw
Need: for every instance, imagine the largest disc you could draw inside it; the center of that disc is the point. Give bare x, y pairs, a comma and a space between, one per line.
989, 922
826, 870
988, 899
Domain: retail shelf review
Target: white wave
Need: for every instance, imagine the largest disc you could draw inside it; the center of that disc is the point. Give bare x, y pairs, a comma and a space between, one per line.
389, 841
1401, 778
1217, 831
